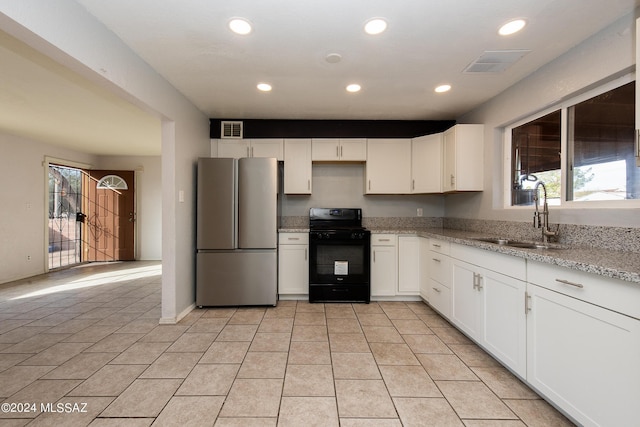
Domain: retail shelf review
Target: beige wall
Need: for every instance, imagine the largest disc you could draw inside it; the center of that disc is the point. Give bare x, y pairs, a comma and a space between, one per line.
600, 58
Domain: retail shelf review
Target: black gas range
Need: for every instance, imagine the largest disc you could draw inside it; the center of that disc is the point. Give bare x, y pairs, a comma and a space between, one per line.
339, 256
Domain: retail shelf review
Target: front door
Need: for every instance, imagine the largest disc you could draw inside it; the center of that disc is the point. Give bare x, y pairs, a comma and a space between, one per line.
110, 216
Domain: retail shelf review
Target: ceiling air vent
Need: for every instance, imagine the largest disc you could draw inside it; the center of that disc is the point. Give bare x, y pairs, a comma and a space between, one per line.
495, 61
231, 130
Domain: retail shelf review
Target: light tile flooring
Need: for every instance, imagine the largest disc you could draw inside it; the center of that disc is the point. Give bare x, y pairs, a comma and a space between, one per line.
89, 338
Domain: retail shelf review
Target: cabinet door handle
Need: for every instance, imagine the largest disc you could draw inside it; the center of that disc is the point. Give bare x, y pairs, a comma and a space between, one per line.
413, 184
337, 151
637, 143
566, 282
452, 180
308, 184
369, 184
477, 281
527, 303
436, 289
374, 256
251, 151
340, 151
305, 254
248, 152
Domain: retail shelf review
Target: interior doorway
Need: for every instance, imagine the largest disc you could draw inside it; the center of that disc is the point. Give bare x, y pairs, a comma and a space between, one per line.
91, 216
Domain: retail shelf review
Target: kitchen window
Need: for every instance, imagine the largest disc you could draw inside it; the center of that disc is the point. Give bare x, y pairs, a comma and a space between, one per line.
583, 150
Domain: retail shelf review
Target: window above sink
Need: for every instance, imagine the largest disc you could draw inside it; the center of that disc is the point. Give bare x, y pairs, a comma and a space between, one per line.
583, 150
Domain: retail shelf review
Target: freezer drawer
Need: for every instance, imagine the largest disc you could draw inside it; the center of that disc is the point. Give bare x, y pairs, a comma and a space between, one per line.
236, 278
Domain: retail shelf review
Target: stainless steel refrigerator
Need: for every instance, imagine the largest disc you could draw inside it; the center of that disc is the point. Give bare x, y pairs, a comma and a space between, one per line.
236, 260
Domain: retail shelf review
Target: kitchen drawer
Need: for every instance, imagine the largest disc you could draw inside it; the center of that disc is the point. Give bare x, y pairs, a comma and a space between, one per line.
293, 238
504, 264
439, 298
439, 246
613, 294
439, 268
384, 240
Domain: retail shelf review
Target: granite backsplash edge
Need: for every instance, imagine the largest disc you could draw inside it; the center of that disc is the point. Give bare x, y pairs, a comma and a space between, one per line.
610, 238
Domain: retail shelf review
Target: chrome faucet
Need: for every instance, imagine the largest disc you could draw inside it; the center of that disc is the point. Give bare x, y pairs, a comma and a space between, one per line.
541, 219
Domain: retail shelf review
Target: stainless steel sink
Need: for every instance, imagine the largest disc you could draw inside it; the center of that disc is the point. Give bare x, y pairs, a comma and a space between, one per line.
518, 243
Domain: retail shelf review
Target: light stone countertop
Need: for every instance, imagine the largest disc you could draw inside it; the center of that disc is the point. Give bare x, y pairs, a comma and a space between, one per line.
293, 230
621, 265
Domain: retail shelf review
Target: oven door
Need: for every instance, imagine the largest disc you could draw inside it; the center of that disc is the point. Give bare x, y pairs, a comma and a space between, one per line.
339, 261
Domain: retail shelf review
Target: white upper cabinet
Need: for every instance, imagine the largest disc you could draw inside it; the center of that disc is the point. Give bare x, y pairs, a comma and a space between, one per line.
267, 147
463, 166
339, 149
237, 148
297, 166
426, 164
214, 148
388, 169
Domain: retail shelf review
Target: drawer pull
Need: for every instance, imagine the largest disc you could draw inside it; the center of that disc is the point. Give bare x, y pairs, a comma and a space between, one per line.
436, 259
293, 238
436, 289
436, 246
384, 240
566, 282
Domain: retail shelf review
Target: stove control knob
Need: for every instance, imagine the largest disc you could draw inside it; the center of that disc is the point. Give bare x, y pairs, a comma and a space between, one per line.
325, 235
357, 235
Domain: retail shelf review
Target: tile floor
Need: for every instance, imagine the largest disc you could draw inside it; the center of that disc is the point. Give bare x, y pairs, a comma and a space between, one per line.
89, 338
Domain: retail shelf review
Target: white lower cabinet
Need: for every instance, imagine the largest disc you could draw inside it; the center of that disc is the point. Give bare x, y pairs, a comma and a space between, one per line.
439, 297
489, 306
408, 265
572, 336
583, 357
384, 265
438, 266
466, 298
504, 321
293, 264
424, 268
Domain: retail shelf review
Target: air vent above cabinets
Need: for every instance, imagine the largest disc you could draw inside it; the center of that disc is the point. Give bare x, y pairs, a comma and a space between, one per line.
231, 130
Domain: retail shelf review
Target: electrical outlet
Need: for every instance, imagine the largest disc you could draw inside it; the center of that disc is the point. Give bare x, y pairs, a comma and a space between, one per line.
419, 212
28, 257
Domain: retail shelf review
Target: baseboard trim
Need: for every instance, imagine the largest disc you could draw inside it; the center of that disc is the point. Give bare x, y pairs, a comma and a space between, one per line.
174, 320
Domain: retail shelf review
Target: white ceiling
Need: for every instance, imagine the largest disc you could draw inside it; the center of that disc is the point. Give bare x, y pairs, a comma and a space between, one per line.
427, 43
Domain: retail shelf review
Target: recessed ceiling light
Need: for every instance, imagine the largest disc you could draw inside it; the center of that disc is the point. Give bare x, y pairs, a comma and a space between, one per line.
375, 26
240, 26
512, 27
354, 87
333, 58
443, 88
265, 87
